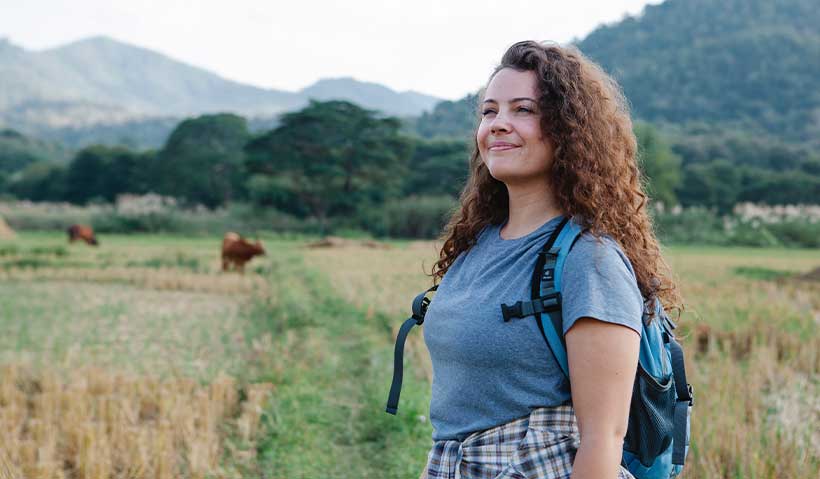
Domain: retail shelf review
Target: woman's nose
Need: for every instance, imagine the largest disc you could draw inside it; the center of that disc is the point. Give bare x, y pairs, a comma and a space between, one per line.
499, 124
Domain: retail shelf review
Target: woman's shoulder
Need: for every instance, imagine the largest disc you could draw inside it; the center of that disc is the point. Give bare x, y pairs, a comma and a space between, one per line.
601, 252
599, 282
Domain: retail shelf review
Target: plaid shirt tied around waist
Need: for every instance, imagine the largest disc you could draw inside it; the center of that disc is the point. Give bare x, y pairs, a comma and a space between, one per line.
539, 446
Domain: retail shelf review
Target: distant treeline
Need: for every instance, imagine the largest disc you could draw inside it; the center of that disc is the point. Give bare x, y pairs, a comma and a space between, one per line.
335, 160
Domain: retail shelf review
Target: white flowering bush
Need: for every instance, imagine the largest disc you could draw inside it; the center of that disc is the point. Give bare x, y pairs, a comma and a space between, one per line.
151, 203
153, 213
748, 225
776, 214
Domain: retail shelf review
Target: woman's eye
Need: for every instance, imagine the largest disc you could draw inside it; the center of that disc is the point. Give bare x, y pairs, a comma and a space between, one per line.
524, 109
487, 112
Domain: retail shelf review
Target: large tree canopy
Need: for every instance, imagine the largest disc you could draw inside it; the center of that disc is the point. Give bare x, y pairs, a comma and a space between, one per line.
202, 160
331, 157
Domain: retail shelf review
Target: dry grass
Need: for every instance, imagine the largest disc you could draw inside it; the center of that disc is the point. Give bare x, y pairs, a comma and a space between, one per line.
752, 345
97, 424
168, 279
111, 368
125, 361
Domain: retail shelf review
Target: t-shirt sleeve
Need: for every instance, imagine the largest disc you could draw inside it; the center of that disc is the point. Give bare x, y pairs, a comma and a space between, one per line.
598, 282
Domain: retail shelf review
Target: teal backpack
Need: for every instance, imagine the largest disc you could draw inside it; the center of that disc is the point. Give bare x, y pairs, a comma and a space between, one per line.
657, 438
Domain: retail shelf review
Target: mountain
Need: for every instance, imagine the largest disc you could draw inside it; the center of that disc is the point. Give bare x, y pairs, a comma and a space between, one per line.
101, 81
703, 68
370, 95
750, 65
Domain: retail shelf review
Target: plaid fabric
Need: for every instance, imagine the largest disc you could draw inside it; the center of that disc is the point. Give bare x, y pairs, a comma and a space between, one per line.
539, 446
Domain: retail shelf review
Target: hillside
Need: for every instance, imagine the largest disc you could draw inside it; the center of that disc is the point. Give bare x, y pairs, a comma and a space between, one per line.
751, 65
747, 68
101, 81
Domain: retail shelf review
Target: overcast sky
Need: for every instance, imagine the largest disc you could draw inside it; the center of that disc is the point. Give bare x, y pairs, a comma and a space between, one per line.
440, 47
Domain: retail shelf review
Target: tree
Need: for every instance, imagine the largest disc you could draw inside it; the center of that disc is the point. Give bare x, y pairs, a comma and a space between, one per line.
779, 187
104, 172
17, 151
202, 160
455, 120
39, 181
331, 157
659, 164
438, 168
716, 183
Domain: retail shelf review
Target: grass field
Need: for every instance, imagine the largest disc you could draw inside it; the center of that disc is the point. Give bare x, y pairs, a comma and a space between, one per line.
140, 359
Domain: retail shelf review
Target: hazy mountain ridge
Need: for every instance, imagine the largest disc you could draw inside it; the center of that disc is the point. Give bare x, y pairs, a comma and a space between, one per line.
370, 95
103, 81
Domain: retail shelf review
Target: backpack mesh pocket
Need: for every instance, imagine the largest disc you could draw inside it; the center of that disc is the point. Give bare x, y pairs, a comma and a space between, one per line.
649, 432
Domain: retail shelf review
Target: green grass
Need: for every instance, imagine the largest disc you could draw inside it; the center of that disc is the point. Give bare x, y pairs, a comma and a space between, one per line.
332, 367
72, 324
764, 274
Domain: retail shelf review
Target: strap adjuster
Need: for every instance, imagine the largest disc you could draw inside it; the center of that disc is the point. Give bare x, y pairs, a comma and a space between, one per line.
521, 309
419, 316
420, 304
691, 395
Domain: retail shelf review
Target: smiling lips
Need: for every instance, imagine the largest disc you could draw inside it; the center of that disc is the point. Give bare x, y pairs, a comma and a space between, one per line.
501, 146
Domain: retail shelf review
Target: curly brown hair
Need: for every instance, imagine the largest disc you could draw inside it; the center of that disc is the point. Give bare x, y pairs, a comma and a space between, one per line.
594, 175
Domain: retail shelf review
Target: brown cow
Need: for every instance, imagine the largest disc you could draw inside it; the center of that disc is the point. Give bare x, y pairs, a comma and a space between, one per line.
82, 232
238, 251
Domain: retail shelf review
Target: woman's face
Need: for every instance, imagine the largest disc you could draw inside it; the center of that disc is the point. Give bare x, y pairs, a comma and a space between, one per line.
509, 137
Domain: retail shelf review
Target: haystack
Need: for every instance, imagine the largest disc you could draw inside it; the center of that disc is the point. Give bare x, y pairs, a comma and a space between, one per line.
5, 230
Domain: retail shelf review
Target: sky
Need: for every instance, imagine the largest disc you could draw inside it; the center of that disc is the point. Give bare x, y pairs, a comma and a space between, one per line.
438, 47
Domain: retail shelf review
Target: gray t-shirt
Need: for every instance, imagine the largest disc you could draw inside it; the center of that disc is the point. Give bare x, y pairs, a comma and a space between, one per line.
487, 372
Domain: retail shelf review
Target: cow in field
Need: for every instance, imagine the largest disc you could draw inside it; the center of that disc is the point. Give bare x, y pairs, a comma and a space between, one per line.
237, 251
82, 232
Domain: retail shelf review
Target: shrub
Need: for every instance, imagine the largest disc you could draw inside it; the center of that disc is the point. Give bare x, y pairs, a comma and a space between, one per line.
411, 217
797, 233
696, 225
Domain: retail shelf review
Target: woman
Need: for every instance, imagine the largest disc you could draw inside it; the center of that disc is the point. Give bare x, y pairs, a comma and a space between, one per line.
555, 140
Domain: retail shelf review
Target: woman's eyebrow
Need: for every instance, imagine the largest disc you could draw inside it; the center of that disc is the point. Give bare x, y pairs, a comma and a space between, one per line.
517, 99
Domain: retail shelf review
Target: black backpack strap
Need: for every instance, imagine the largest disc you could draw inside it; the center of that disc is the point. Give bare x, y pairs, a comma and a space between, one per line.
539, 303
685, 400
419, 310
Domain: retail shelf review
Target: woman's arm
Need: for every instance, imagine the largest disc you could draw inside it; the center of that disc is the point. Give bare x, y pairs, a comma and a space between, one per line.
603, 358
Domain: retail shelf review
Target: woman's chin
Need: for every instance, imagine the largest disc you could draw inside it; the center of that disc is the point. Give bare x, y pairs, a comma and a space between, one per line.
510, 173
502, 168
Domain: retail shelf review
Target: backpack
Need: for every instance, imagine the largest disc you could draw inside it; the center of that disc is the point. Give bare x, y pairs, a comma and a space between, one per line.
657, 438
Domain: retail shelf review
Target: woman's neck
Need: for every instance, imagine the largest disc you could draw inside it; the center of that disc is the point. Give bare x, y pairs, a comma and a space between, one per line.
530, 207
